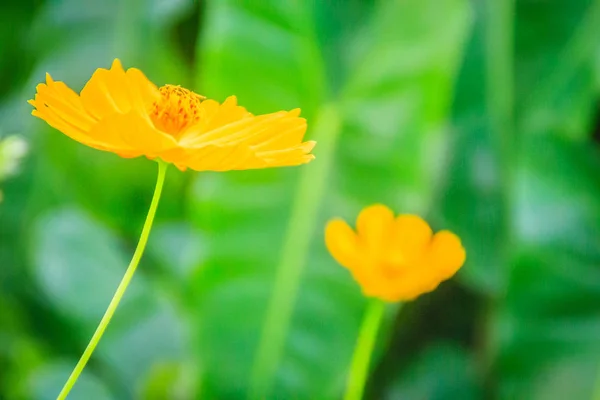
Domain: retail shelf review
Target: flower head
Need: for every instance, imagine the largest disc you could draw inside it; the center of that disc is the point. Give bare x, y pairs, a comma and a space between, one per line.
394, 258
124, 113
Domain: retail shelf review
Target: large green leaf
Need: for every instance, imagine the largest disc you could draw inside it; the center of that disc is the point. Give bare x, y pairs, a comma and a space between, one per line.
555, 52
15, 21
43, 383
528, 212
393, 106
70, 39
78, 264
267, 50
442, 371
554, 92
396, 104
245, 212
20, 351
548, 326
179, 249
472, 194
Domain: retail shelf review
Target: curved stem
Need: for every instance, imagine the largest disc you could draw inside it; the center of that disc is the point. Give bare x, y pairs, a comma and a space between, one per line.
114, 303
361, 358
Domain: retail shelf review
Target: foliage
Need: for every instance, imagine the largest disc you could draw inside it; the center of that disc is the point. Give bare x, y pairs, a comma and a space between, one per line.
478, 115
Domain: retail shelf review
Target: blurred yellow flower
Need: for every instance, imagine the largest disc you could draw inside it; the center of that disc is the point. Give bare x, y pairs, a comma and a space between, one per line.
124, 113
394, 258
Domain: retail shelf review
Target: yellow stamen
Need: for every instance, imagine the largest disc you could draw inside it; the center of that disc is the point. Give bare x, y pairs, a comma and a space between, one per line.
176, 110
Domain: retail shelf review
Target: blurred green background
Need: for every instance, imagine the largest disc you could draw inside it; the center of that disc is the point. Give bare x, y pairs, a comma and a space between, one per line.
482, 116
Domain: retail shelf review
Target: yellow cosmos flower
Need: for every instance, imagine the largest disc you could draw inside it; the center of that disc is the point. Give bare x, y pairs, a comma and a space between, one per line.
124, 113
394, 258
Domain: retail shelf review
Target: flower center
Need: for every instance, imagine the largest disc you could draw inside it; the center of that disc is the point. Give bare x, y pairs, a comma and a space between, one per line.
177, 109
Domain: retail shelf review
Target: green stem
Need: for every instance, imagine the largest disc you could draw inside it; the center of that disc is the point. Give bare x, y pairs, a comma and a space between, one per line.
499, 75
359, 368
499, 71
114, 303
293, 256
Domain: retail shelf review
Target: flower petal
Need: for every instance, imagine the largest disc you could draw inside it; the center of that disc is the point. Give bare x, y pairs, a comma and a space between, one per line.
409, 239
132, 135
213, 116
218, 158
114, 90
296, 155
374, 224
143, 92
446, 254
49, 115
270, 140
268, 132
62, 109
285, 131
407, 291
239, 131
342, 243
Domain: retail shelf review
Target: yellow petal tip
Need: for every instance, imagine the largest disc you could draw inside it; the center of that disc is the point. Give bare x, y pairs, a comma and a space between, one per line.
116, 64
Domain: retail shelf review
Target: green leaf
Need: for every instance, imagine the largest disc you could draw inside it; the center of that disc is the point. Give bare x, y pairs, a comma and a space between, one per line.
178, 248
20, 351
472, 195
555, 78
442, 371
70, 39
396, 104
528, 212
78, 265
45, 383
162, 381
555, 90
268, 53
393, 107
548, 326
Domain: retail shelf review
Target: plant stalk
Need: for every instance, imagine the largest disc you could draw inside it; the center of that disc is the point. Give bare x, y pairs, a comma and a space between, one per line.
114, 303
